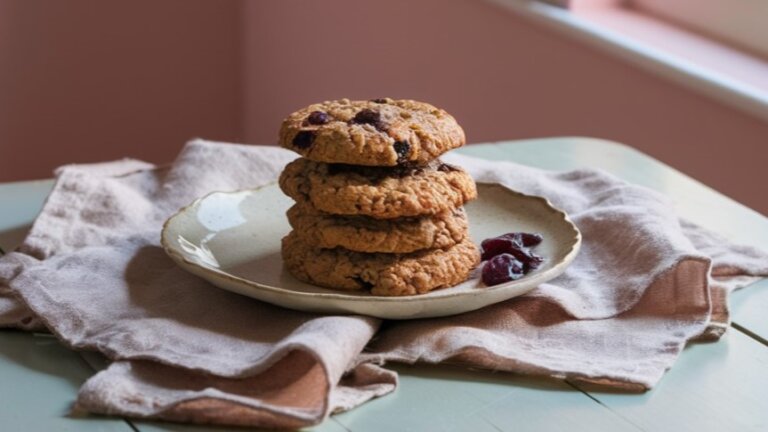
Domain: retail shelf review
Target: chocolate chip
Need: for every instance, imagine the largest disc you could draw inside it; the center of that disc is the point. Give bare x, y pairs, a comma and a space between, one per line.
379, 100
403, 149
370, 117
303, 140
367, 116
318, 118
363, 284
447, 168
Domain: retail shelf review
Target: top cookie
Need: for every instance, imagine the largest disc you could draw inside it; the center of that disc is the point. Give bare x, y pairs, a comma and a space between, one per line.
379, 132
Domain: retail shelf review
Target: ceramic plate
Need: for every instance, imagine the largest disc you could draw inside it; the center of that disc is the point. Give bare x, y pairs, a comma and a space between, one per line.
232, 239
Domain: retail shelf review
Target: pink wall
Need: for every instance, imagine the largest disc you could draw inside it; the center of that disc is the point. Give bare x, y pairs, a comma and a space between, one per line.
88, 81
84, 81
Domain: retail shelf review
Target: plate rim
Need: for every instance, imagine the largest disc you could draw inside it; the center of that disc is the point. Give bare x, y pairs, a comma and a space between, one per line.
557, 268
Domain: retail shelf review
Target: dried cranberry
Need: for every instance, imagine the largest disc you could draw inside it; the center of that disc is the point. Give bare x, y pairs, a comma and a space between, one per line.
371, 117
318, 118
495, 246
403, 149
515, 244
379, 100
502, 268
303, 140
530, 260
525, 239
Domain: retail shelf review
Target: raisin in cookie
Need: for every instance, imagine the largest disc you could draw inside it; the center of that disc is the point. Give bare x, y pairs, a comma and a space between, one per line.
380, 132
382, 274
364, 234
382, 193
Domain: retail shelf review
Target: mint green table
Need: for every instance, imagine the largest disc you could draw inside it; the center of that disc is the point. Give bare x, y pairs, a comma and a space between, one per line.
713, 387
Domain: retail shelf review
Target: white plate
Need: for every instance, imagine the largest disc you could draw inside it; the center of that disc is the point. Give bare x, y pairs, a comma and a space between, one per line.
232, 239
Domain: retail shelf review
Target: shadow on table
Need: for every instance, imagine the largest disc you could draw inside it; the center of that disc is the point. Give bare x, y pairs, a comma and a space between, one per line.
41, 354
12, 237
460, 373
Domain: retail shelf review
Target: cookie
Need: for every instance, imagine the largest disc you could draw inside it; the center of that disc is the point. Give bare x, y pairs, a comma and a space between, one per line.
381, 274
382, 193
364, 234
379, 132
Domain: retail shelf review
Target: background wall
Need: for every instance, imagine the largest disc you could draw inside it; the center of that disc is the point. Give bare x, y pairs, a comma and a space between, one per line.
90, 81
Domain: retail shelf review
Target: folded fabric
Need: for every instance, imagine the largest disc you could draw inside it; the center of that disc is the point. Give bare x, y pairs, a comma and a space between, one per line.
93, 273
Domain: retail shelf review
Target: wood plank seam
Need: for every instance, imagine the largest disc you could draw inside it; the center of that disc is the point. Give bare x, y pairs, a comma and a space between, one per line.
492, 424
340, 424
599, 402
749, 333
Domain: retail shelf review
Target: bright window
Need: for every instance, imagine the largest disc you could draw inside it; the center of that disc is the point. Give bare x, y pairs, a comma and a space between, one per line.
740, 23
743, 23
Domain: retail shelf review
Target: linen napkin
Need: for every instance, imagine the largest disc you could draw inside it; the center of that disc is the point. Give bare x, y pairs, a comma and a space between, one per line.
92, 272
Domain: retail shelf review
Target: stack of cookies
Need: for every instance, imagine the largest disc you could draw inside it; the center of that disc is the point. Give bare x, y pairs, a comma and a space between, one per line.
376, 210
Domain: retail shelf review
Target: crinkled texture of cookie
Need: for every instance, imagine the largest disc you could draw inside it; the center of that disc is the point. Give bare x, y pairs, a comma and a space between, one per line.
382, 193
364, 234
381, 274
380, 132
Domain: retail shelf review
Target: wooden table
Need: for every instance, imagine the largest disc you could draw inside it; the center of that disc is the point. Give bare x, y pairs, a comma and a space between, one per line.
719, 386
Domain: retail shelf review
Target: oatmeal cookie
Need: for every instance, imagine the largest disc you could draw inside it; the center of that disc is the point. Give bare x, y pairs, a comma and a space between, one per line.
364, 234
381, 274
379, 132
382, 193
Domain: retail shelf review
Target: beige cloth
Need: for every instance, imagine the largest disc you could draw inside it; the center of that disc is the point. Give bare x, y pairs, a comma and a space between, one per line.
92, 272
